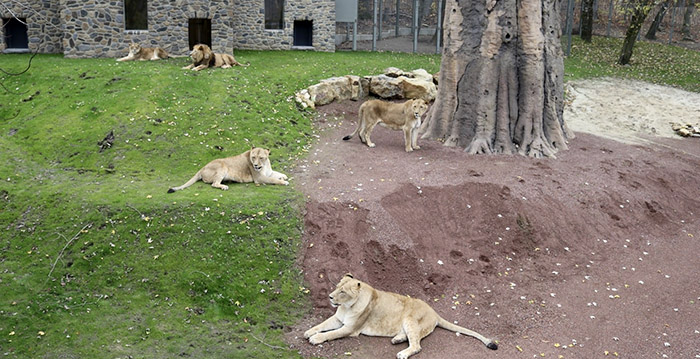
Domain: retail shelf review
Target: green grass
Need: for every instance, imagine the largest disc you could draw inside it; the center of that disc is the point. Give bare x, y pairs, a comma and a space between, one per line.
651, 62
98, 261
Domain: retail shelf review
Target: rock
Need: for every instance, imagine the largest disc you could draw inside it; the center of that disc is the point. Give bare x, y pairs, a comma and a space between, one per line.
348, 87
385, 86
393, 84
417, 84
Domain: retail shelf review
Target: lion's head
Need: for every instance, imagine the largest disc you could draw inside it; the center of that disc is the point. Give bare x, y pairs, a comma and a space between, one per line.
259, 157
346, 292
134, 49
201, 52
419, 108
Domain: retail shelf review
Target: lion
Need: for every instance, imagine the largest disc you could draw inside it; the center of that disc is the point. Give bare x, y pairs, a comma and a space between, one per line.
250, 166
203, 57
138, 53
396, 116
365, 310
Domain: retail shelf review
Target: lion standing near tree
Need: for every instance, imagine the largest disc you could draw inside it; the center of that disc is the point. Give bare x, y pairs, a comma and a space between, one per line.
404, 116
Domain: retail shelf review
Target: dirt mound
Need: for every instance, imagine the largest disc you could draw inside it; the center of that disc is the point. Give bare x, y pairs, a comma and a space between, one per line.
592, 253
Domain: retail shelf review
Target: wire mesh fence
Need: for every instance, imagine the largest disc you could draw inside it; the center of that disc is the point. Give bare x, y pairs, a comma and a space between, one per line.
414, 25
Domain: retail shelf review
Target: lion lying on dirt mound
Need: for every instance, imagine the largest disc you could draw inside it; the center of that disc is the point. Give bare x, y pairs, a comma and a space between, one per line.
396, 116
365, 310
203, 57
250, 166
138, 53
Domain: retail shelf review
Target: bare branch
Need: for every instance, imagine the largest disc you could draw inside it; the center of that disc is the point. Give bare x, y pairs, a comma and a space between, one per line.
66, 246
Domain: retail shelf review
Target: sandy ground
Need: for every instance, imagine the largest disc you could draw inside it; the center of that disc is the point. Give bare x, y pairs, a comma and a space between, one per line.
590, 255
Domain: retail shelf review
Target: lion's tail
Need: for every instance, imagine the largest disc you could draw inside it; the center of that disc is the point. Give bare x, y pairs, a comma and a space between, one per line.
235, 62
359, 124
442, 323
197, 176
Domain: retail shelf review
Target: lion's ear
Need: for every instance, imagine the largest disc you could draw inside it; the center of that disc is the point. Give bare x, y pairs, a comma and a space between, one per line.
252, 148
349, 275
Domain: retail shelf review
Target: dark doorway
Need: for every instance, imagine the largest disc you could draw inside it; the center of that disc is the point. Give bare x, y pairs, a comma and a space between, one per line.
200, 32
15, 33
303, 33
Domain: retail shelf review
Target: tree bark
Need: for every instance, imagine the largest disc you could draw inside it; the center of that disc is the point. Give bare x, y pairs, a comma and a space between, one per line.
654, 27
685, 30
501, 84
587, 20
640, 10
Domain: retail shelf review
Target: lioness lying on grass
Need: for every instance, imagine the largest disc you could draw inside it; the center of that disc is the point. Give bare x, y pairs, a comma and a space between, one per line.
250, 166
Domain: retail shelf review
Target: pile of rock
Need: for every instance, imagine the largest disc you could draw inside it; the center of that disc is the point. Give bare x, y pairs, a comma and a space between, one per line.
392, 84
686, 130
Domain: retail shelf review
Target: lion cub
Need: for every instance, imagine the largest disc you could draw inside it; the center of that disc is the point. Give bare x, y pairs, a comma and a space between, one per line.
396, 116
365, 310
138, 53
250, 166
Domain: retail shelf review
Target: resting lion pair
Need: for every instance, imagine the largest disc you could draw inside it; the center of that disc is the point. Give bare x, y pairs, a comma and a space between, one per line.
202, 57
365, 310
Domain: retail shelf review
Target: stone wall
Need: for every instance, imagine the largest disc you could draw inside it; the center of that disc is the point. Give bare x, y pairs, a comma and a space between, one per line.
95, 28
249, 24
43, 24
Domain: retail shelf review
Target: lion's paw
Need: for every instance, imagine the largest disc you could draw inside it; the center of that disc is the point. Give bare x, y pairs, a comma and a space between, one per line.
371, 145
316, 339
309, 333
283, 177
224, 187
285, 183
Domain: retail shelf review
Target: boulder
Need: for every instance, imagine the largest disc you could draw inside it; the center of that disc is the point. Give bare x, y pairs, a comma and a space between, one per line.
341, 88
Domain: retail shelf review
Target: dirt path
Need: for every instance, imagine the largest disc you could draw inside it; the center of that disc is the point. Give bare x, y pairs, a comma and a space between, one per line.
595, 252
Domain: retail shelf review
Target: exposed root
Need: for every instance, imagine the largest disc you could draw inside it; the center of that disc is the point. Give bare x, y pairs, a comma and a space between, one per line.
479, 145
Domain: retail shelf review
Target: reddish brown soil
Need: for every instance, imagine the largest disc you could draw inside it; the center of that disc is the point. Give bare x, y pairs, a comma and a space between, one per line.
591, 254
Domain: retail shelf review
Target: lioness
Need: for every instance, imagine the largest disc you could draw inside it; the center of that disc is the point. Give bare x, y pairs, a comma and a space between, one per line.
203, 57
250, 166
365, 310
138, 53
396, 116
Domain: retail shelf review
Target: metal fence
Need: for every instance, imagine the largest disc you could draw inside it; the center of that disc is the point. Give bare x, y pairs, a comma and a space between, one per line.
414, 25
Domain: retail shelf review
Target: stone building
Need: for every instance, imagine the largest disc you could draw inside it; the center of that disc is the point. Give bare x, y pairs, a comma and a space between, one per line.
105, 28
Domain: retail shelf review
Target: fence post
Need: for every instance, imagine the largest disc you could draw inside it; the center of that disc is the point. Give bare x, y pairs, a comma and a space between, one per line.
673, 15
374, 26
396, 30
438, 27
610, 14
569, 21
415, 26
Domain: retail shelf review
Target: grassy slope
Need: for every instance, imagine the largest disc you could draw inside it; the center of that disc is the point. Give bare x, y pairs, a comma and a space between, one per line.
137, 271
200, 272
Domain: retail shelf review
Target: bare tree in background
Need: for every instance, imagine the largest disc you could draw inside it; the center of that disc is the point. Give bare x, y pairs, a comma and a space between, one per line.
685, 29
587, 20
654, 27
501, 79
640, 9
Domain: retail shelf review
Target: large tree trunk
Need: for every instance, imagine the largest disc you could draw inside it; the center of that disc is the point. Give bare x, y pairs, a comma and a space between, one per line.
501, 78
654, 27
587, 20
640, 10
685, 29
